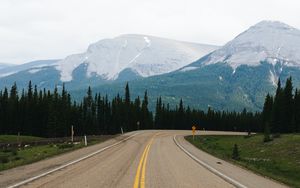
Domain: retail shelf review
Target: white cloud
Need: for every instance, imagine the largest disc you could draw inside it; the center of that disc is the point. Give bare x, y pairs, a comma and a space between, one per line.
43, 29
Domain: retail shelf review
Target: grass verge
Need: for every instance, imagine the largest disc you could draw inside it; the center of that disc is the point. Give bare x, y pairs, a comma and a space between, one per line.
278, 159
14, 138
13, 157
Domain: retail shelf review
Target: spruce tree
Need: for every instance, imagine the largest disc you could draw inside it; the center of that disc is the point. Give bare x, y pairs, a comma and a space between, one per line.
297, 110
158, 111
287, 108
277, 112
145, 117
267, 109
127, 95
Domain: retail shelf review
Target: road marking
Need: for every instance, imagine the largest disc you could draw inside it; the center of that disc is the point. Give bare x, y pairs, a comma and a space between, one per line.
144, 166
139, 181
70, 163
210, 168
137, 176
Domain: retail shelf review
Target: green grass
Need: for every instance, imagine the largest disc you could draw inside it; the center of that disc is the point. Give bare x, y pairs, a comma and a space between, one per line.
13, 157
278, 159
18, 157
15, 138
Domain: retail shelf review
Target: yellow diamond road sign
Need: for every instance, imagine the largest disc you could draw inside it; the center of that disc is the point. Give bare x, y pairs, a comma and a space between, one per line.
194, 129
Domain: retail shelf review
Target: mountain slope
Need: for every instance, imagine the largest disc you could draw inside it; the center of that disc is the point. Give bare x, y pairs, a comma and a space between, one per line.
4, 65
143, 55
270, 41
123, 58
32, 67
236, 76
212, 85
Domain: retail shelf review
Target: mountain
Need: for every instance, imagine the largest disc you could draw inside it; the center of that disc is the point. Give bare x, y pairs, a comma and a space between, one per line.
41, 72
235, 76
119, 59
4, 65
269, 41
9, 69
143, 55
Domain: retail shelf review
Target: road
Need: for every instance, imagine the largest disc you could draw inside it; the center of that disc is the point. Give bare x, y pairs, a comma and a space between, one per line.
146, 159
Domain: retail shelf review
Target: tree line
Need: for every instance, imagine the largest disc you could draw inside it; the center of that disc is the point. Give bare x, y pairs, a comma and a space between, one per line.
49, 113
281, 113
184, 118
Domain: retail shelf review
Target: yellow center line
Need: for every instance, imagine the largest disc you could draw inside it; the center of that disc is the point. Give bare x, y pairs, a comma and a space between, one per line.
144, 166
140, 177
137, 176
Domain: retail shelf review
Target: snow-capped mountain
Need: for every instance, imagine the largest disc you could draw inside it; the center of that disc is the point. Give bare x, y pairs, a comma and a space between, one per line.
236, 76
269, 41
141, 54
123, 58
32, 67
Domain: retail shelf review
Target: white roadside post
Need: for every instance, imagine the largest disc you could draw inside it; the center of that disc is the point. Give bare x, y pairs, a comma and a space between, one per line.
85, 140
72, 134
18, 140
122, 130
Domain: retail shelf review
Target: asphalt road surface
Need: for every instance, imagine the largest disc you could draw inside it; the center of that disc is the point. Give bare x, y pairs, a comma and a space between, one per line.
145, 159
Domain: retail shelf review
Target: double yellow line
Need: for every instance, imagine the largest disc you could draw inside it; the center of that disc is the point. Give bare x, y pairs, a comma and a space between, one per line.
139, 181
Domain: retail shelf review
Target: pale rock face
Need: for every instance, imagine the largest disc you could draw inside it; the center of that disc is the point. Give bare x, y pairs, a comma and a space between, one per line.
269, 41
145, 55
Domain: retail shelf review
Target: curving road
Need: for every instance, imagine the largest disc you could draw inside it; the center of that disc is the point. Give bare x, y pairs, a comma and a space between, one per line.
146, 159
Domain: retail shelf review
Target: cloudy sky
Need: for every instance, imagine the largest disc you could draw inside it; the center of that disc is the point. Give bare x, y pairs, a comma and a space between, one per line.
49, 29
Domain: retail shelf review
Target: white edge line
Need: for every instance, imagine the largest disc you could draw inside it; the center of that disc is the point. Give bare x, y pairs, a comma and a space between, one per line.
208, 167
68, 164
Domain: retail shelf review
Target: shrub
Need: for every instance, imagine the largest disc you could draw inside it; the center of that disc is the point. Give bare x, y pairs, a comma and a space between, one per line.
17, 158
277, 135
14, 152
267, 137
235, 153
65, 146
7, 150
4, 158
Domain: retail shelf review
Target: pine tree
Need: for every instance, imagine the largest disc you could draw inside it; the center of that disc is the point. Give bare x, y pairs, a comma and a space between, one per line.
287, 107
13, 110
297, 110
29, 92
267, 109
145, 119
138, 112
180, 116
277, 112
158, 112
88, 113
127, 95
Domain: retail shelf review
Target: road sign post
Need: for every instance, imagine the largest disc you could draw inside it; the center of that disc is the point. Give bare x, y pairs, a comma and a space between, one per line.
194, 130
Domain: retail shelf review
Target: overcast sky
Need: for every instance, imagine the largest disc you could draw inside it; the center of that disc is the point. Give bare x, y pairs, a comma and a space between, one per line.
49, 29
